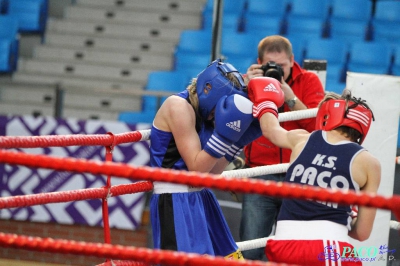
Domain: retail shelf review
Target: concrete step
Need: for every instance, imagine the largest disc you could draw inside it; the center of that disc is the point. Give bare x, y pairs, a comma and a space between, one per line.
157, 17
34, 94
115, 30
98, 114
179, 6
84, 70
16, 108
111, 44
78, 99
86, 55
117, 103
74, 81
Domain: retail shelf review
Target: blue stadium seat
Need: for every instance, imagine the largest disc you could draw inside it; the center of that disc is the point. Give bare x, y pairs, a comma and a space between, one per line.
10, 44
238, 44
387, 11
3, 6
335, 78
6, 55
359, 10
299, 43
8, 26
396, 62
349, 31
308, 27
262, 25
173, 81
231, 21
137, 117
351, 15
190, 41
386, 21
231, 6
191, 62
309, 8
267, 7
333, 50
242, 63
232, 12
32, 14
370, 57
386, 31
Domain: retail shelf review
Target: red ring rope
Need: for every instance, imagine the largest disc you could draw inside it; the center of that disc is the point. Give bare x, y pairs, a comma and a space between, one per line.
200, 179
148, 256
73, 195
9, 142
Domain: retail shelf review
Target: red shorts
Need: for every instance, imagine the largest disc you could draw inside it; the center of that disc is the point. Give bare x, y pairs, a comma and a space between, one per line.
309, 252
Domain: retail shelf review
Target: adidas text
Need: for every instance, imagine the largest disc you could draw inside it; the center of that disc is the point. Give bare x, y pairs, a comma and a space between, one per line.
234, 125
270, 87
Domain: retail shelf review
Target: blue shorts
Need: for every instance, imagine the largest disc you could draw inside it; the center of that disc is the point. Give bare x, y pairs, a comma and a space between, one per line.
191, 222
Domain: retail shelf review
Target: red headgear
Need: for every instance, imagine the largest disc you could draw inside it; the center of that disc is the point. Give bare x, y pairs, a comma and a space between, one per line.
335, 113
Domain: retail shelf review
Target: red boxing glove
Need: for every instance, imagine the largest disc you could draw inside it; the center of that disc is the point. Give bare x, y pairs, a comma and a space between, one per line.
266, 94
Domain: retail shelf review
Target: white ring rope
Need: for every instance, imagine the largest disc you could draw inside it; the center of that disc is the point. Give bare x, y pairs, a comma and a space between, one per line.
395, 225
283, 117
253, 244
256, 171
145, 134
297, 115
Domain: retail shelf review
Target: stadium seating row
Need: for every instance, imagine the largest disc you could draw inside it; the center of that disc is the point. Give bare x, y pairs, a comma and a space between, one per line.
381, 56
356, 20
351, 35
18, 17
31, 14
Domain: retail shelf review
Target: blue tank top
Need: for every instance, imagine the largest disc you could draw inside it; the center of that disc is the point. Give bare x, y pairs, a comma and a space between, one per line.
324, 165
163, 150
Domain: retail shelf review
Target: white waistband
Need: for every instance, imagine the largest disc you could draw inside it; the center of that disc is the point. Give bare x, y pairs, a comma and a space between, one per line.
162, 187
311, 230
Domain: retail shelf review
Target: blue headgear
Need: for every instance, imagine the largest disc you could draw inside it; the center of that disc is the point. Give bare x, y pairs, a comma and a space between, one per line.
213, 83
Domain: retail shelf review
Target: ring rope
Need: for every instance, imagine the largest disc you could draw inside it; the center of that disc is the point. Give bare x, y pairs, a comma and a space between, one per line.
253, 244
72, 140
148, 256
256, 171
108, 139
47, 141
395, 225
73, 195
96, 193
201, 179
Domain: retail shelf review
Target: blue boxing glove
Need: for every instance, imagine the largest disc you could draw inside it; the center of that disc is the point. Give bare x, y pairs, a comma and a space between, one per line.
233, 115
252, 133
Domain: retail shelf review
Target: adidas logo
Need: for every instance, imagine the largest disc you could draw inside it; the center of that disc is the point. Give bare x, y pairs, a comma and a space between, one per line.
235, 125
271, 87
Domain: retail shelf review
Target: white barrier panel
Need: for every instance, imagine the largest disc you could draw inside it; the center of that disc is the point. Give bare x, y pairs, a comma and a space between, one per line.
382, 93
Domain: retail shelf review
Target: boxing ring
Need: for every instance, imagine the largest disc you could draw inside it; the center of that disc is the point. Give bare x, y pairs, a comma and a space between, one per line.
142, 176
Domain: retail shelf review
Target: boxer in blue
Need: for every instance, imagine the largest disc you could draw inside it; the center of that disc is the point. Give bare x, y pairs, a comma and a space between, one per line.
201, 129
